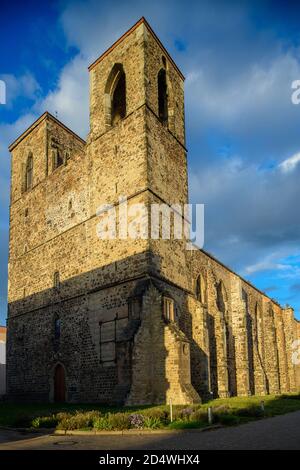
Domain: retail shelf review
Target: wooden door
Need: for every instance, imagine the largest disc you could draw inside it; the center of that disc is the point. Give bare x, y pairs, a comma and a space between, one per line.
59, 384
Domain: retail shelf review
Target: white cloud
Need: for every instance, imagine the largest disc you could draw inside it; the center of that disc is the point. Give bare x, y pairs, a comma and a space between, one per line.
252, 94
290, 163
9, 132
25, 86
266, 264
71, 97
245, 96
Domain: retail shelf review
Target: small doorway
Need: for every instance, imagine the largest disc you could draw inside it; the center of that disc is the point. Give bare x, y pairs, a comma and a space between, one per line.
59, 384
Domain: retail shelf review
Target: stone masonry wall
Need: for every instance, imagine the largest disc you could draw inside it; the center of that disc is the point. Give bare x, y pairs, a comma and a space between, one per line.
227, 338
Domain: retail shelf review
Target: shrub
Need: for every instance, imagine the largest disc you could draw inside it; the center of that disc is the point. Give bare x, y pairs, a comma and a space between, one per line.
102, 424
79, 420
220, 409
251, 412
137, 420
224, 415
44, 422
291, 397
157, 413
91, 417
186, 412
62, 415
199, 416
152, 422
183, 414
184, 425
119, 421
228, 419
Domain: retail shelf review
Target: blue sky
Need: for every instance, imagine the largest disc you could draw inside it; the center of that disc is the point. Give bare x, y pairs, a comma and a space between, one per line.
239, 59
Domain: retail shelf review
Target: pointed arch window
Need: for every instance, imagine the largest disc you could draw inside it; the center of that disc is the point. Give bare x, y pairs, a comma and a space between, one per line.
56, 280
57, 157
259, 327
200, 290
115, 95
29, 172
221, 297
57, 327
162, 96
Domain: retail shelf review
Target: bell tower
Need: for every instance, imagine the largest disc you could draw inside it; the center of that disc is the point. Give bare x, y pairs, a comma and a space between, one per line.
136, 144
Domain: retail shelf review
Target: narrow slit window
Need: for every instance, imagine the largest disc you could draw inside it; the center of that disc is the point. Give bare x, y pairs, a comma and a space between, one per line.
162, 96
57, 328
29, 173
200, 289
169, 309
118, 105
56, 280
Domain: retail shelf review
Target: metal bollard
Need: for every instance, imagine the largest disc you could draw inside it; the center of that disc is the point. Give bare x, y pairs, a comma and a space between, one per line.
209, 415
171, 411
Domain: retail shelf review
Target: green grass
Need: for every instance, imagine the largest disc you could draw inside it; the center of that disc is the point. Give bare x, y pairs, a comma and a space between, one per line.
186, 425
226, 411
274, 404
12, 413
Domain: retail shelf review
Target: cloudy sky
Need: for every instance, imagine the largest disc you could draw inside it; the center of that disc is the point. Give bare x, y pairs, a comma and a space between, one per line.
243, 132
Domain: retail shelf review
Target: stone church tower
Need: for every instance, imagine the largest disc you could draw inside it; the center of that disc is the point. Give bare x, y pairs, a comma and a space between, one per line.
127, 320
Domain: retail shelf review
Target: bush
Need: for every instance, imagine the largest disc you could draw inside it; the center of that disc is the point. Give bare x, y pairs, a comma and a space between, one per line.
102, 424
221, 409
184, 414
157, 413
137, 420
199, 416
119, 421
224, 415
228, 419
152, 422
184, 425
79, 420
291, 397
251, 412
44, 422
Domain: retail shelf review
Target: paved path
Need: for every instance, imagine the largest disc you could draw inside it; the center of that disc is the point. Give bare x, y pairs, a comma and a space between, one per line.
281, 432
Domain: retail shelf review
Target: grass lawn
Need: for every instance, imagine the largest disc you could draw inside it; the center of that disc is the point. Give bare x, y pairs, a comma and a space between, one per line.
226, 411
273, 404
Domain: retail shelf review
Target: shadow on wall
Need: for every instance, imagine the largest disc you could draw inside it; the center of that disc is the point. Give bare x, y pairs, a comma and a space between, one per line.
89, 326
75, 340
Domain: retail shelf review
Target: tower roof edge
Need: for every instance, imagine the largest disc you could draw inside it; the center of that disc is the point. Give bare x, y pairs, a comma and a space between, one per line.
37, 122
127, 33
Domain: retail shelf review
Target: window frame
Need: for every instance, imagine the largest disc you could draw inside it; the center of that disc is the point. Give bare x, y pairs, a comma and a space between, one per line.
57, 328
28, 173
162, 97
56, 280
169, 309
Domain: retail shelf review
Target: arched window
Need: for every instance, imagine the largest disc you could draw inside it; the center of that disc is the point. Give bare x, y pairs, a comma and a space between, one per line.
259, 328
56, 280
118, 105
57, 157
169, 309
57, 326
162, 96
29, 172
200, 289
221, 297
115, 95
245, 298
